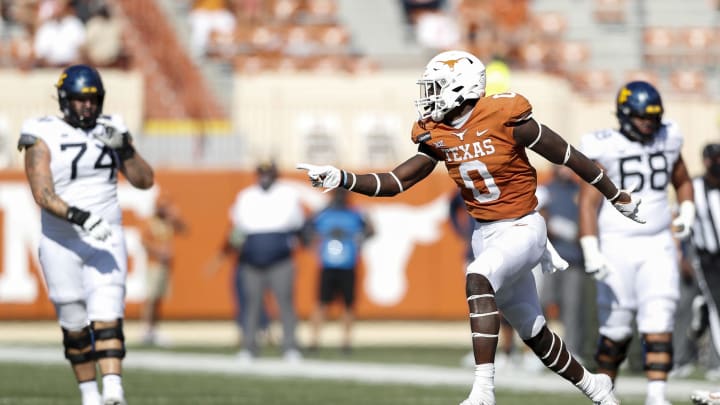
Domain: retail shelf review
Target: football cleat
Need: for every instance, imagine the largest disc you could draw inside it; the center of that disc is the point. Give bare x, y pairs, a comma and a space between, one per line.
603, 393
705, 398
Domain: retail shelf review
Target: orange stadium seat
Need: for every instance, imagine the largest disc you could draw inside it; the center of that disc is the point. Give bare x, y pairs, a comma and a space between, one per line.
644, 75
659, 45
549, 24
609, 11
698, 45
321, 11
593, 81
533, 54
688, 82
568, 56
284, 10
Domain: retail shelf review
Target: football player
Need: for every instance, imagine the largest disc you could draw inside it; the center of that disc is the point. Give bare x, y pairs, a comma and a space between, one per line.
637, 266
482, 141
72, 164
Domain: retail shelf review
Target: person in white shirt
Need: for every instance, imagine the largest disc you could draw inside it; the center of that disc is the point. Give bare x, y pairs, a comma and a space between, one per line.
72, 164
269, 217
60, 40
637, 266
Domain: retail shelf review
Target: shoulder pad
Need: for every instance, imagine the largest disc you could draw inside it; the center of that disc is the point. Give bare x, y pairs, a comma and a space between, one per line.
26, 141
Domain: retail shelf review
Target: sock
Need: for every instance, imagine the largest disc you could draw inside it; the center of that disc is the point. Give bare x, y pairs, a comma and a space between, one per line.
112, 386
656, 389
587, 384
89, 392
485, 375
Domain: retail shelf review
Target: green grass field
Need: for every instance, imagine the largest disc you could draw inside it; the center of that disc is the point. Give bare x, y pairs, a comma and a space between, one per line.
23, 384
35, 384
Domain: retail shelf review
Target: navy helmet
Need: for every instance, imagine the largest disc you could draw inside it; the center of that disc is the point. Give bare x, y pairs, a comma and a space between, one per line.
638, 99
79, 81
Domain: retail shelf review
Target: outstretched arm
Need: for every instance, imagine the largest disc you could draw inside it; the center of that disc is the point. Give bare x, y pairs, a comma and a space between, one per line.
554, 148
385, 184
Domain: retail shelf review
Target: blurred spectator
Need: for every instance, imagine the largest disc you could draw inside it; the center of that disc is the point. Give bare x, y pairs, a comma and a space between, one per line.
339, 230
206, 17
268, 217
59, 40
157, 238
232, 246
562, 292
104, 33
412, 8
437, 30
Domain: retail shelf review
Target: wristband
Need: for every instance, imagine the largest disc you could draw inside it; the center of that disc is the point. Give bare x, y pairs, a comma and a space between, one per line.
615, 197
76, 215
126, 151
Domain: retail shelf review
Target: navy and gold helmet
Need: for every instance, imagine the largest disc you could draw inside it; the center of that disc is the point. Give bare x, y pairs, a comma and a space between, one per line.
79, 81
639, 99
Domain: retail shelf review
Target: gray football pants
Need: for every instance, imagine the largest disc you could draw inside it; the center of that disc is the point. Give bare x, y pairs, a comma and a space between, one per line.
280, 279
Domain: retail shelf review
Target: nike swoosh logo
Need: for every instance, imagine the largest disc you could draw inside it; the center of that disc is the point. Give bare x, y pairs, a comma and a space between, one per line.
481, 133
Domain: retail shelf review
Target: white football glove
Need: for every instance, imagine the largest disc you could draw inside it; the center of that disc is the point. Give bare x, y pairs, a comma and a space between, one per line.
113, 132
683, 223
551, 260
327, 177
630, 209
595, 263
97, 227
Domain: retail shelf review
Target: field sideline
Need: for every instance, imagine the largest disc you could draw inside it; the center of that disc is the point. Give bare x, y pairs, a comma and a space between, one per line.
41, 347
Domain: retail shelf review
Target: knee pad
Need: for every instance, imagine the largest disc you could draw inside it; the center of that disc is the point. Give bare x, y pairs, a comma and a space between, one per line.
610, 353
78, 345
658, 347
112, 333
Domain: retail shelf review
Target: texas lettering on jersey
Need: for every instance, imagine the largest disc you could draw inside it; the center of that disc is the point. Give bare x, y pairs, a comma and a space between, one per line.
491, 169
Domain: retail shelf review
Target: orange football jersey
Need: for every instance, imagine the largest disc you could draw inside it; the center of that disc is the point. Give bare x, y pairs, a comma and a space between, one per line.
492, 171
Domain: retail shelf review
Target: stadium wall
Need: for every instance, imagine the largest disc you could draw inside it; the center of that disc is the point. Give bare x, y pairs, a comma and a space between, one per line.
411, 269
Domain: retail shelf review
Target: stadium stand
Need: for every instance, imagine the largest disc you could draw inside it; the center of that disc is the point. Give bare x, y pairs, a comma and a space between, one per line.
592, 45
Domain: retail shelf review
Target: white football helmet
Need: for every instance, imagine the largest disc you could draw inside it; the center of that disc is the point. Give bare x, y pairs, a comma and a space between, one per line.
449, 78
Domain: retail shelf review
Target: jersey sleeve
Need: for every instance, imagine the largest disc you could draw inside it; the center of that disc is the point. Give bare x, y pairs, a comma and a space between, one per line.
30, 132
518, 109
419, 134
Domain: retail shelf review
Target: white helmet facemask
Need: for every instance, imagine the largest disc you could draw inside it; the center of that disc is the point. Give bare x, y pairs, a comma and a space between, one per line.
449, 79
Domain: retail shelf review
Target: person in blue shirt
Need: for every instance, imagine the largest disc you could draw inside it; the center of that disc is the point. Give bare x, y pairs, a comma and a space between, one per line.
339, 231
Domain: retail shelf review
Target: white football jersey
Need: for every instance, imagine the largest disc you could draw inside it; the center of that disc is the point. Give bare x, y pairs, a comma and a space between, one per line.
84, 171
648, 166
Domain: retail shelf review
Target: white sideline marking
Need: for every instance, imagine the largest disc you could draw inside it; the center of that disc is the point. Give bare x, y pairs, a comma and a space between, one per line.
515, 379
